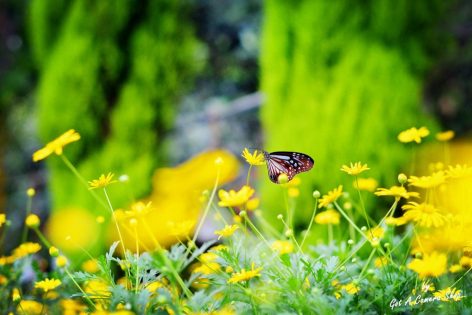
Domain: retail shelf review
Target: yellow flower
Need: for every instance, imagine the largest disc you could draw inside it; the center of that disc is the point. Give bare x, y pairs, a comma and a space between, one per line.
233, 198
256, 158
368, 184
282, 247
182, 228
139, 209
329, 216
459, 171
207, 264
3, 219
15, 295
396, 221
252, 204
56, 146
380, 262
432, 265
90, 266
245, 275
426, 182
30, 192
350, 288
61, 261
397, 192
466, 262
228, 230
32, 221
103, 181
72, 307
26, 249
449, 294
445, 135
47, 284
331, 197
413, 134
355, 169
53, 251
28, 307
455, 268
424, 214
97, 288
375, 234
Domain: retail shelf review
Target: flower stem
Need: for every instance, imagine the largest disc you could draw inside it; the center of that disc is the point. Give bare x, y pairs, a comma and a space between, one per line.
115, 220
82, 179
89, 301
362, 203
207, 208
24, 234
42, 237
311, 223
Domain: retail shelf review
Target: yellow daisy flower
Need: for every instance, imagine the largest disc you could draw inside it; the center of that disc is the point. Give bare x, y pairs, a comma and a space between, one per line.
380, 262
245, 275
426, 182
228, 230
329, 216
57, 145
47, 284
432, 265
459, 171
331, 197
354, 169
445, 135
90, 266
256, 158
424, 214
413, 134
282, 247
103, 181
28, 307
375, 234
25, 249
449, 294
235, 198
397, 192
350, 288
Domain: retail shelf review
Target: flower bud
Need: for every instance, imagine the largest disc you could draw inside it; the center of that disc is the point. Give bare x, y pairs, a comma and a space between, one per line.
31, 192
32, 221
316, 194
402, 179
53, 251
61, 261
282, 179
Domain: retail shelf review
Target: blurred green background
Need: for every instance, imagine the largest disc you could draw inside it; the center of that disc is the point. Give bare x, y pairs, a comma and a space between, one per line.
151, 83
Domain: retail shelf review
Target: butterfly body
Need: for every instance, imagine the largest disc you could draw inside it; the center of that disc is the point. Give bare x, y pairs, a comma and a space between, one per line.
289, 163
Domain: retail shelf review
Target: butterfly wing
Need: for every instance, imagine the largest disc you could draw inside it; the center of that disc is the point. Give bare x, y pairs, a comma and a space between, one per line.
289, 163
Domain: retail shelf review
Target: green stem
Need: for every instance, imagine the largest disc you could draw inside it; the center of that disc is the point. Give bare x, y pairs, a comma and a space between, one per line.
207, 208
367, 263
82, 179
42, 237
24, 234
115, 220
89, 301
362, 203
330, 233
311, 223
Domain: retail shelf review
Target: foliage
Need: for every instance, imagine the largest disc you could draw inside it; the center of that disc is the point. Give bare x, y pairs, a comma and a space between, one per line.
341, 79
113, 71
257, 269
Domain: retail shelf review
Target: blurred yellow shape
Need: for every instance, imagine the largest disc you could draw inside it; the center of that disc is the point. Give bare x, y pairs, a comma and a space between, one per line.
176, 199
76, 224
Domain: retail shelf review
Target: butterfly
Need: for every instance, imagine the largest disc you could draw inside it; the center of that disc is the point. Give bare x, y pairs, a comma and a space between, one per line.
289, 163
